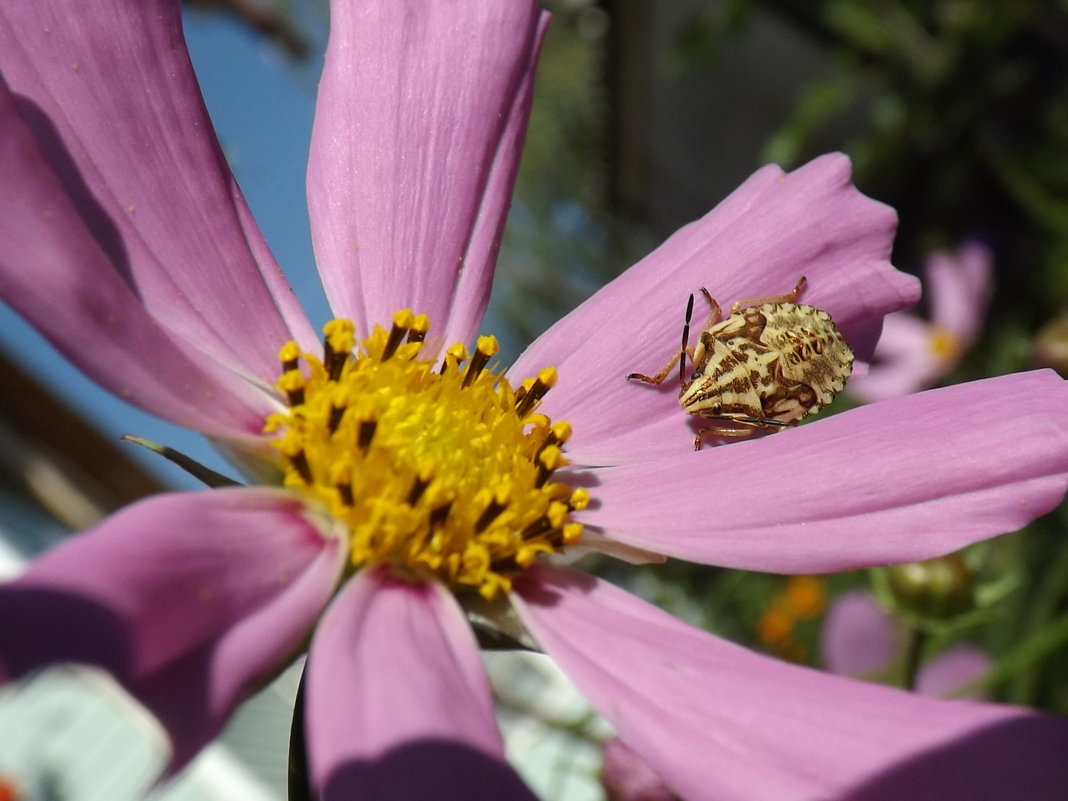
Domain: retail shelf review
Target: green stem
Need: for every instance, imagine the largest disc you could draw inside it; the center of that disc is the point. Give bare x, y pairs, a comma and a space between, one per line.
299, 784
913, 657
1031, 653
187, 463
1019, 667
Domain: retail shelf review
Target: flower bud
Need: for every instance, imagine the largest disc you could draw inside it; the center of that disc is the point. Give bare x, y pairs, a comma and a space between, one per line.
937, 588
1051, 345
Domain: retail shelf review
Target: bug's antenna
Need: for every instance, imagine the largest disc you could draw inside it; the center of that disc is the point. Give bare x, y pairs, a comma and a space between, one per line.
685, 340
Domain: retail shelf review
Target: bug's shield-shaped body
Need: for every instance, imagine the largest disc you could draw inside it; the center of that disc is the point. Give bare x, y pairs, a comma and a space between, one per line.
770, 364
765, 367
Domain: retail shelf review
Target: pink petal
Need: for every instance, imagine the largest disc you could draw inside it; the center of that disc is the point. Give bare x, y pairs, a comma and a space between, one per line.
717, 721
859, 638
949, 672
55, 273
627, 777
191, 600
759, 241
422, 111
895, 481
958, 288
110, 95
398, 703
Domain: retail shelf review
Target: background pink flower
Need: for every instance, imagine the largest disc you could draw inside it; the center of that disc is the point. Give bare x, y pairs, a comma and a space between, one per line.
860, 639
916, 353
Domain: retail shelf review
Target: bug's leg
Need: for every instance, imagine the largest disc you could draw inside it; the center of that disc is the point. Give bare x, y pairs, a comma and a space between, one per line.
683, 351
715, 314
659, 377
746, 429
790, 297
740, 428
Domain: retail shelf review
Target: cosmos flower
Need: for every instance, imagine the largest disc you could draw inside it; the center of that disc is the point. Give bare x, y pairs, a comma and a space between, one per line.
914, 353
860, 639
404, 480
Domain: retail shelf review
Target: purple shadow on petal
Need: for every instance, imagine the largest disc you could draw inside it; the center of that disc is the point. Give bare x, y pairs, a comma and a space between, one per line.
119, 118
719, 721
394, 664
95, 635
427, 770
979, 761
100, 224
189, 600
91, 632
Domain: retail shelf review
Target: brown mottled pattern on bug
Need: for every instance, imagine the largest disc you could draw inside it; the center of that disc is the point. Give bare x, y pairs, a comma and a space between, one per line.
762, 368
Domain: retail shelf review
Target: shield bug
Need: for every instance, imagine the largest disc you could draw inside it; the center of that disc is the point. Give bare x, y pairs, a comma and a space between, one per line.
768, 365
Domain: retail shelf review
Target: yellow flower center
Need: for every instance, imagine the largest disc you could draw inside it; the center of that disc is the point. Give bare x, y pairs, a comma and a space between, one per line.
440, 471
944, 344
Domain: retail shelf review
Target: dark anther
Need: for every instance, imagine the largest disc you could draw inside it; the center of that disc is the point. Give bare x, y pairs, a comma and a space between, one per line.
475, 367
345, 491
336, 413
300, 462
526, 402
489, 514
396, 336
367, 433
333, 361
537, 528
439, 515
542, 475
416, 492
552, 439
295, 397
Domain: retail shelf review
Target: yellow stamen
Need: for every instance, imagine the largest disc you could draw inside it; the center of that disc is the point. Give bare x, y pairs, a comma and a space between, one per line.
944, 344
439, 473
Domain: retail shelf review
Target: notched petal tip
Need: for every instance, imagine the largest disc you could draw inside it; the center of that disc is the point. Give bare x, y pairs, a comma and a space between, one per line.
398, 110
774, 229
444, 770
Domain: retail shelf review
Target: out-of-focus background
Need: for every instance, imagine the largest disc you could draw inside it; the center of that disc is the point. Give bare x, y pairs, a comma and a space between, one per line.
955, 113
